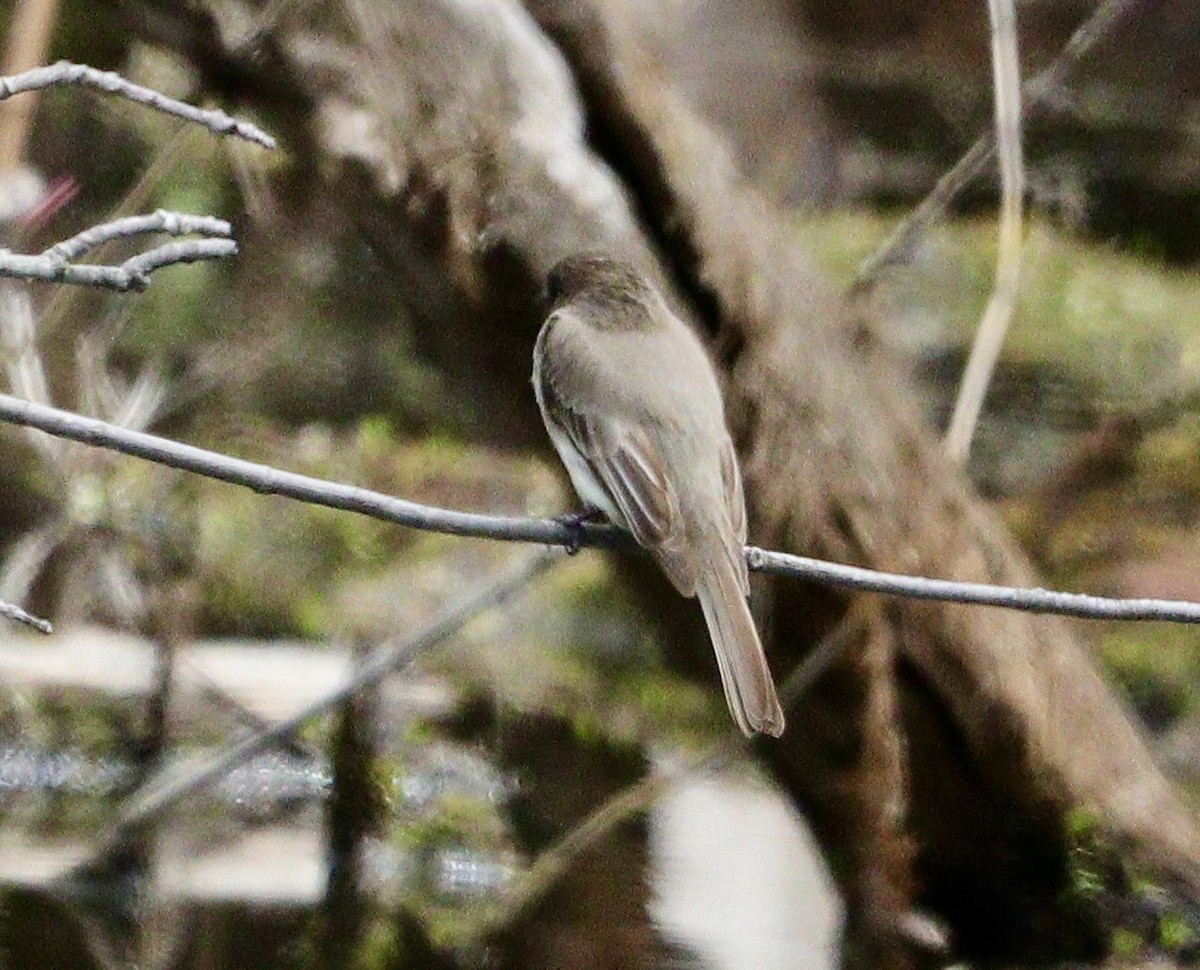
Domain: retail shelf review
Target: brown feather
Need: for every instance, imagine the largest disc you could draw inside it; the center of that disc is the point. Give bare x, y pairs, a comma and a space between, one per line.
633, 407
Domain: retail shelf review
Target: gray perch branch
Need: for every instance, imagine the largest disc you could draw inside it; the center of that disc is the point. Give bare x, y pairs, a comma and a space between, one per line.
272, 481
56, 264
64, 72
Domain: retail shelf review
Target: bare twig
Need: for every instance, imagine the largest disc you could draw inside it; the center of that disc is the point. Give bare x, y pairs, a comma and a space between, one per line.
985, 352
173, 783
64, 72
11, 611
1035, 92
1081, 605
170, 254
56, 263
171, 223
272, 481
315, 491
826, 653
168, 157
133, 274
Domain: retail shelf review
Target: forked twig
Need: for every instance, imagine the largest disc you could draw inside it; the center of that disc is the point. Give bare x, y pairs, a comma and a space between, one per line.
56, 264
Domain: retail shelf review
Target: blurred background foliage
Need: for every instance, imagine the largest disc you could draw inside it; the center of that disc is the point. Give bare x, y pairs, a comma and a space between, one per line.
298, 354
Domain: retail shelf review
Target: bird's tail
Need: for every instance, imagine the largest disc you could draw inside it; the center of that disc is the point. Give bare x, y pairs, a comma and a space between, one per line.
749, 689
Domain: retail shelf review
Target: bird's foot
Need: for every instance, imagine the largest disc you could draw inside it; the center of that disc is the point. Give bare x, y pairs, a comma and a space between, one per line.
573, 522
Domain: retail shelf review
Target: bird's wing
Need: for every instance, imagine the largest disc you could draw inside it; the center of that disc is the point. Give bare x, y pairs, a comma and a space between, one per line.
629, 465
585, 396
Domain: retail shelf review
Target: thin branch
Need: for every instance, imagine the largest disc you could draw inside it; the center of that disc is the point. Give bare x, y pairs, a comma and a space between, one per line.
272, 481
133, 274
171, 223
165, 160
64, 72
1036, 600
897, 248
140, 267
985, 352
246, 718
11, 611
175, 782
825, 654
55, 264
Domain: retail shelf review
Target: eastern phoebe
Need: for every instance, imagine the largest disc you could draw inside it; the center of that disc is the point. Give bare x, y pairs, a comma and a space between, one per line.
634, 410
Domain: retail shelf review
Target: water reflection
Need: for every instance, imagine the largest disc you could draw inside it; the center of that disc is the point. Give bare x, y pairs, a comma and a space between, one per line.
735, 880
738, 878
25, 769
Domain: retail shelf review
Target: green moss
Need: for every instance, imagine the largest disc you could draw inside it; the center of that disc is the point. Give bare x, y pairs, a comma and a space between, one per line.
1120, 324
1157, 668
279, 567
1127, 945
1145, 918
1088, 855
1175, 933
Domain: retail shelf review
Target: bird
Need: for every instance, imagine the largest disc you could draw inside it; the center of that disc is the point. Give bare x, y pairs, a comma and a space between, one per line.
633, 407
